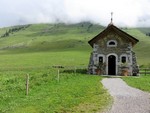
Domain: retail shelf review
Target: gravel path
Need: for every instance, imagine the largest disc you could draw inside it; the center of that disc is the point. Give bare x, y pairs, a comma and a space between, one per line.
126, 98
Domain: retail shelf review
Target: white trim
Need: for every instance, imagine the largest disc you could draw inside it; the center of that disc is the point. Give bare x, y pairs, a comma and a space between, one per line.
112, 45
116, 62
95, 58
131, 62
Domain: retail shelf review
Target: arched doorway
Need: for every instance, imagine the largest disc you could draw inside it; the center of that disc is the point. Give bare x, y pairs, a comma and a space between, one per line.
112, 65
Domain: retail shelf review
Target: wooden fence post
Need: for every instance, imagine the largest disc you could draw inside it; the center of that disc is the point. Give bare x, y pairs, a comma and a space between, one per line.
27, 84
58, 72
75, 70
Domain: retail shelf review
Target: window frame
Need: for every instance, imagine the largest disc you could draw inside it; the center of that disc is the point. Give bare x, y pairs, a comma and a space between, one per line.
125, 56
109, 45
123, 59
101, 55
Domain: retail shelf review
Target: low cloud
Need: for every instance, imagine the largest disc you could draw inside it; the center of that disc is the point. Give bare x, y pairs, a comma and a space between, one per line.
129, 13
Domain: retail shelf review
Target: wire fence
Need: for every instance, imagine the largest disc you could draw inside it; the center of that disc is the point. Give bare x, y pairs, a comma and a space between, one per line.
33, 77
60, 68
144, 71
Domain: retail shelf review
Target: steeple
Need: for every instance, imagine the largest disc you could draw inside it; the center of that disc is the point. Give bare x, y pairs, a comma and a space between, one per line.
111, 22
111, 18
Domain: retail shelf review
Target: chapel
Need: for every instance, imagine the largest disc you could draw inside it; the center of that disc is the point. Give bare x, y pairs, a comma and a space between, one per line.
112, 53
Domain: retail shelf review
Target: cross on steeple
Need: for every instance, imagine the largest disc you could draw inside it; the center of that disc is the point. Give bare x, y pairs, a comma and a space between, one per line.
111, 22
111, 18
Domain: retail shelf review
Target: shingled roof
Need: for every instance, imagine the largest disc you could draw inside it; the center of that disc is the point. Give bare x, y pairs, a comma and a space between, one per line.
114, 29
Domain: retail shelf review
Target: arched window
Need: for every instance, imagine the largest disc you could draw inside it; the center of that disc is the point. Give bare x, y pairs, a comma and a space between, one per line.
112, 43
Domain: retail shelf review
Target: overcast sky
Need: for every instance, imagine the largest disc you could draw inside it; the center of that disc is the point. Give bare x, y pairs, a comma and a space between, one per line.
128, 13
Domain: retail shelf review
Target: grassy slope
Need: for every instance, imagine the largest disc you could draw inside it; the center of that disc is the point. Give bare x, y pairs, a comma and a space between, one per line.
54, 38
34, 50
144, 30
45, 37
67, 42
142, 48
40, 46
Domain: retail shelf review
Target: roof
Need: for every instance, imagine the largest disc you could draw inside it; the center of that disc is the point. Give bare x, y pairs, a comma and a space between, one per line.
112, 28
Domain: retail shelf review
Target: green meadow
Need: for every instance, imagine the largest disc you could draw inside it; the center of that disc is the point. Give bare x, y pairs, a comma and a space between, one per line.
142, 82
35, 49
70, 41
72, 93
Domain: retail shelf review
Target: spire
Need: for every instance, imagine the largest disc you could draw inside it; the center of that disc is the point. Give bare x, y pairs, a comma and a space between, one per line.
111, 18
111, 22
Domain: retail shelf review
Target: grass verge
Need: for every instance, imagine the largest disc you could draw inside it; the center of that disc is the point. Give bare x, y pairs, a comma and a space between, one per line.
142, 82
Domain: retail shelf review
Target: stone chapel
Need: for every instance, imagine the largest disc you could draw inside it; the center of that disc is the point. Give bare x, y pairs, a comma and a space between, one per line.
112, 53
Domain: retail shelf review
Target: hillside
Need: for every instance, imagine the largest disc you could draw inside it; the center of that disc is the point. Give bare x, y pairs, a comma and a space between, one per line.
33, 50
51, 39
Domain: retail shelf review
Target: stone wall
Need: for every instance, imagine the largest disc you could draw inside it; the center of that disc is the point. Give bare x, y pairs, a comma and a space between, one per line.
123, 48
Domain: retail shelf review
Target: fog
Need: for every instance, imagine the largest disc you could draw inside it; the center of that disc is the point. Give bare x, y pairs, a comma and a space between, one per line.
126, 13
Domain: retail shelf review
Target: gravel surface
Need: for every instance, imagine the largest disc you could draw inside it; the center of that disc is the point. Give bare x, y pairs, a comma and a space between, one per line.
126, 98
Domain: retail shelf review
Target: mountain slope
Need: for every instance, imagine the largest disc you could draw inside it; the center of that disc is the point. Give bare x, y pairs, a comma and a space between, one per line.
62, 37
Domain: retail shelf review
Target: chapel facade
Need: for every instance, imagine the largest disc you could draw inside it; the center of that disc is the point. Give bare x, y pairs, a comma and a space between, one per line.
112, 53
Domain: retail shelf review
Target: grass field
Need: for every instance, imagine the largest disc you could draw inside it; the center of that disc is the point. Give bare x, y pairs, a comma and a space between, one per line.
142, 82
43, 59
35, 49
73, 93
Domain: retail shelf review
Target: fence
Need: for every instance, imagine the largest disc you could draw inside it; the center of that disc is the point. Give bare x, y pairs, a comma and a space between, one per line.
83, 69
144, 71
38, 76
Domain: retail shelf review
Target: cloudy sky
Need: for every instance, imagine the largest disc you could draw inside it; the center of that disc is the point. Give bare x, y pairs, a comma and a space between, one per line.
128, 13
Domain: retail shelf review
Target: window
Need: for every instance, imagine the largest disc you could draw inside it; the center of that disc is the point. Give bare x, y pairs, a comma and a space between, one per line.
112, 43
100, 59
123, 59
